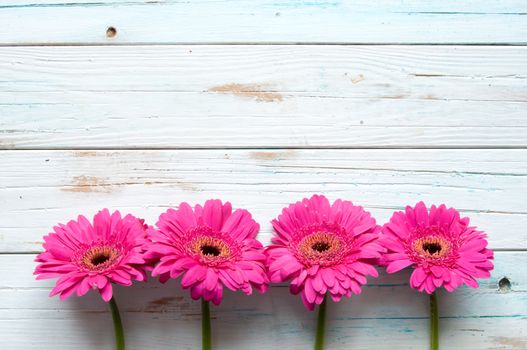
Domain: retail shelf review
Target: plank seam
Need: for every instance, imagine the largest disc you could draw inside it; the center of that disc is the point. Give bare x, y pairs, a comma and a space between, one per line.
262, 43
250, 148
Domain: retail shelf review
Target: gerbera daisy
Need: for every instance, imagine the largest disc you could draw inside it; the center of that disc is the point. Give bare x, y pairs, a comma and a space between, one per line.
324, 249
212, 247
441, 247
88, 256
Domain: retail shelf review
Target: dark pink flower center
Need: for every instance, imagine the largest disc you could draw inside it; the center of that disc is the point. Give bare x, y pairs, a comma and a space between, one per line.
97, 257
320, 244
211, 247
432, 245
210, 250
432, 248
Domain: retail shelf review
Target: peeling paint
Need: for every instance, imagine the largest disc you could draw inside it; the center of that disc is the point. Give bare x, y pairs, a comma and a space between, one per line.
88, 184
158, 305
260, 92
263, 155
357, 79
430, 97
35, 242
91, 153
395, 97
84, 153
184, 185
514, 342
187, 186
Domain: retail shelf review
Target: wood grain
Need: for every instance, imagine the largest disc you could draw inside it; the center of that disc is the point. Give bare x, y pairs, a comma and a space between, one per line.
40, 188
262, 21
164, 316
263, 96
120, 104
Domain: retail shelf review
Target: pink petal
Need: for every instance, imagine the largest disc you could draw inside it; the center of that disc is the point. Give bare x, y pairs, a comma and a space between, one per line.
106, 292
398, 265
211, 280
195, 274
309, 291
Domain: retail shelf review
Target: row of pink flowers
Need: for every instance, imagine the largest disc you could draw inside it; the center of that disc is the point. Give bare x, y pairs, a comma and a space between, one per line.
322, 248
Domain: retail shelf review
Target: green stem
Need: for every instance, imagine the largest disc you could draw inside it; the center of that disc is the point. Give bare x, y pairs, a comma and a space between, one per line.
321, 325
434, 323
117, 325
205, 325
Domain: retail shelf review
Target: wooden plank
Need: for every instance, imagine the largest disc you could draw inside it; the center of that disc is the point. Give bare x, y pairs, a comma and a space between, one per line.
263, 21
164, 317
40, 188
262, 96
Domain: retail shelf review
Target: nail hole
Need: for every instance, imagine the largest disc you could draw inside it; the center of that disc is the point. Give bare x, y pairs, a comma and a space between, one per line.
504, 285
111, 32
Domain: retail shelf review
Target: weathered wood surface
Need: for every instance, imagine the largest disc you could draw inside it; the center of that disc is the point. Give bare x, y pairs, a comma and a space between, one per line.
149, 117
41, 188
262, 96
163, 316
263, 21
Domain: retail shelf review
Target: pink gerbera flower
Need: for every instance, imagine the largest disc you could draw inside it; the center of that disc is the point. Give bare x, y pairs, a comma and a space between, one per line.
323, 248
443, 249
210, 246
93, 256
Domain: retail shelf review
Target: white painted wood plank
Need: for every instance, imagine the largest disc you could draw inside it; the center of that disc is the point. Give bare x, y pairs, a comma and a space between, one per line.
40, 188
263, 96
257, 21
164, 317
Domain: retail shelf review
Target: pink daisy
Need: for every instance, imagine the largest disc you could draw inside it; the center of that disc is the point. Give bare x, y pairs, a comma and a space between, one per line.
443, 249
93, 256
210, 246
323, 248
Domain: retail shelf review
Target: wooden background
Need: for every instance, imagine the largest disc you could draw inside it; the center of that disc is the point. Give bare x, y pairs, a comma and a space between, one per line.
262, 103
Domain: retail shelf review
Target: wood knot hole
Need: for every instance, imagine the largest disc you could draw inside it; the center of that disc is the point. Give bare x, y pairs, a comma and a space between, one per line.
111, 32
504, 285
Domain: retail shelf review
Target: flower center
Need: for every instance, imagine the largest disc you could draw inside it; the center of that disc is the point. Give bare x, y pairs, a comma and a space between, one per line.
98, 258
210, 250
210, 247
432, 247
322, 248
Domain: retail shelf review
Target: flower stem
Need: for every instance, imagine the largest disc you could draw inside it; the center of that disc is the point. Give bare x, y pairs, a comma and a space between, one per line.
321, 325
434, 323
205, 325
117, 325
